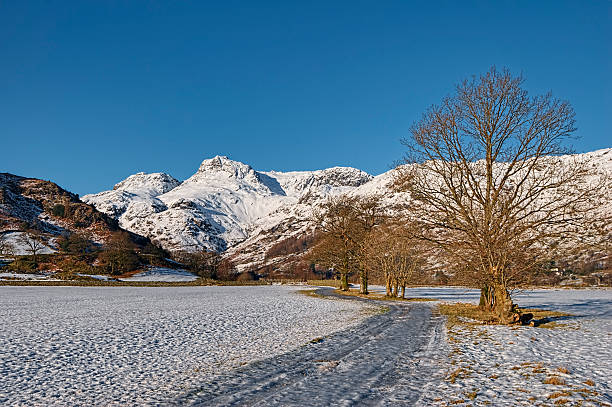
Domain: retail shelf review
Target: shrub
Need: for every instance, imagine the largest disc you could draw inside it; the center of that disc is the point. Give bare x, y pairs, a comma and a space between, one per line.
246, 276
72, 265
59, 210
23, 264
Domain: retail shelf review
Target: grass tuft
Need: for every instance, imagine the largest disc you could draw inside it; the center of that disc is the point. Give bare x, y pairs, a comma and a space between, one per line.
563, 370
381, 297
554, 380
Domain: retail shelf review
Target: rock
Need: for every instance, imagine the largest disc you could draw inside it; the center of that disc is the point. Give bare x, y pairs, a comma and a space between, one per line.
525, 318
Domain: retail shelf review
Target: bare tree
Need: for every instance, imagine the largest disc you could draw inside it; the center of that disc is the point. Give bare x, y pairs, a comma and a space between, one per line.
6, 247
33, 240
204, 263
488, 187
381, 247
396, 255
335, 246
344, 224
119, 254
368, 215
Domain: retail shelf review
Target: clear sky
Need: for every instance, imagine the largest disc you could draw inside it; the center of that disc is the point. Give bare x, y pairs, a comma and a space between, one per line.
93, 91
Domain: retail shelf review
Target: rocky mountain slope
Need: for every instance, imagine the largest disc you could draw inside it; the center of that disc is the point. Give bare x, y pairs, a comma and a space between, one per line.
42, 206
229, 207
219, 206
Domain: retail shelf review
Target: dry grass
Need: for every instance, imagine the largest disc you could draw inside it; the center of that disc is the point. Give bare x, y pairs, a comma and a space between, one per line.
101, 283
455, 312
558, 394
554, 380
310, 293
459, 373
459, 312
589, 382
472, 395
586, 392
563, 370
325, 283
86, 281
380, 297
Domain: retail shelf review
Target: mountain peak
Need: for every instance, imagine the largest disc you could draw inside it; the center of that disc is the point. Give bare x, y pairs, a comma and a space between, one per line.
152, 184
221, 163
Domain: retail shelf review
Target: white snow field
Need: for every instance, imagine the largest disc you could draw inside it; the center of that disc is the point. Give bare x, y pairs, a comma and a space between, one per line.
508, 366
162, 274
149, 346
144, 345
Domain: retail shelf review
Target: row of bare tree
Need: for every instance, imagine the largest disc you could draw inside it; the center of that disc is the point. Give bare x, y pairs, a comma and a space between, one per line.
356, 235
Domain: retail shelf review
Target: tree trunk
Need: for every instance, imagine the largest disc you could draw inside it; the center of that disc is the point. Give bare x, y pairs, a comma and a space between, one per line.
396, 288
344, 281
403, 290
363, 288
389, 288
495, 300
486, 293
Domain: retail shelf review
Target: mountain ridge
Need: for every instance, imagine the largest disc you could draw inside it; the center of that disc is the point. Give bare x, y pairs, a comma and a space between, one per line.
229, 207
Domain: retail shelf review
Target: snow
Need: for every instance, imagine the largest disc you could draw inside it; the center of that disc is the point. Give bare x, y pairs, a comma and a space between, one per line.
101, 277
143, 346
504, 365
25, 276
20, 248
220, 205
146, 345
162, 274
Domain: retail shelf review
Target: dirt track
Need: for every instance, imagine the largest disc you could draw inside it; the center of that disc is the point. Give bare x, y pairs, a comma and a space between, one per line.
390, 359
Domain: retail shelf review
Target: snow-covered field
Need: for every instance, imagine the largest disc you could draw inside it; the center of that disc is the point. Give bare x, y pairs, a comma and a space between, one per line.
25, 276
162, 274
144, 345
501, 365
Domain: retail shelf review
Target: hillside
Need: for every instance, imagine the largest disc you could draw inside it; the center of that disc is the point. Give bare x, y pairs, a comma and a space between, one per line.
261, 220
44, 206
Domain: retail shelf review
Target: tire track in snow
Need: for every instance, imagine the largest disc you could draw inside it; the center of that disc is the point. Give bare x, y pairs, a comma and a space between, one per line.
390, 358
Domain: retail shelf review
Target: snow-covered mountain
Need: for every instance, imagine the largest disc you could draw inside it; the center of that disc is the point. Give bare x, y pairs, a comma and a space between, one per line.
229, 207
220, 205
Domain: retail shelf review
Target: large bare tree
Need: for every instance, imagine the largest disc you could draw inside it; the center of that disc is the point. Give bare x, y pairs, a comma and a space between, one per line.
488, 186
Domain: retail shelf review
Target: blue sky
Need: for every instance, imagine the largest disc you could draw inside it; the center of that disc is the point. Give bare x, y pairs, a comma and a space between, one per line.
91, 92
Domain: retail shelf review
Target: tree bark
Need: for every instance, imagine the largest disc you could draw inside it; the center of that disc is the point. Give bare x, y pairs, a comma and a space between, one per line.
363, 288
496, 301
389, 292
344, 282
